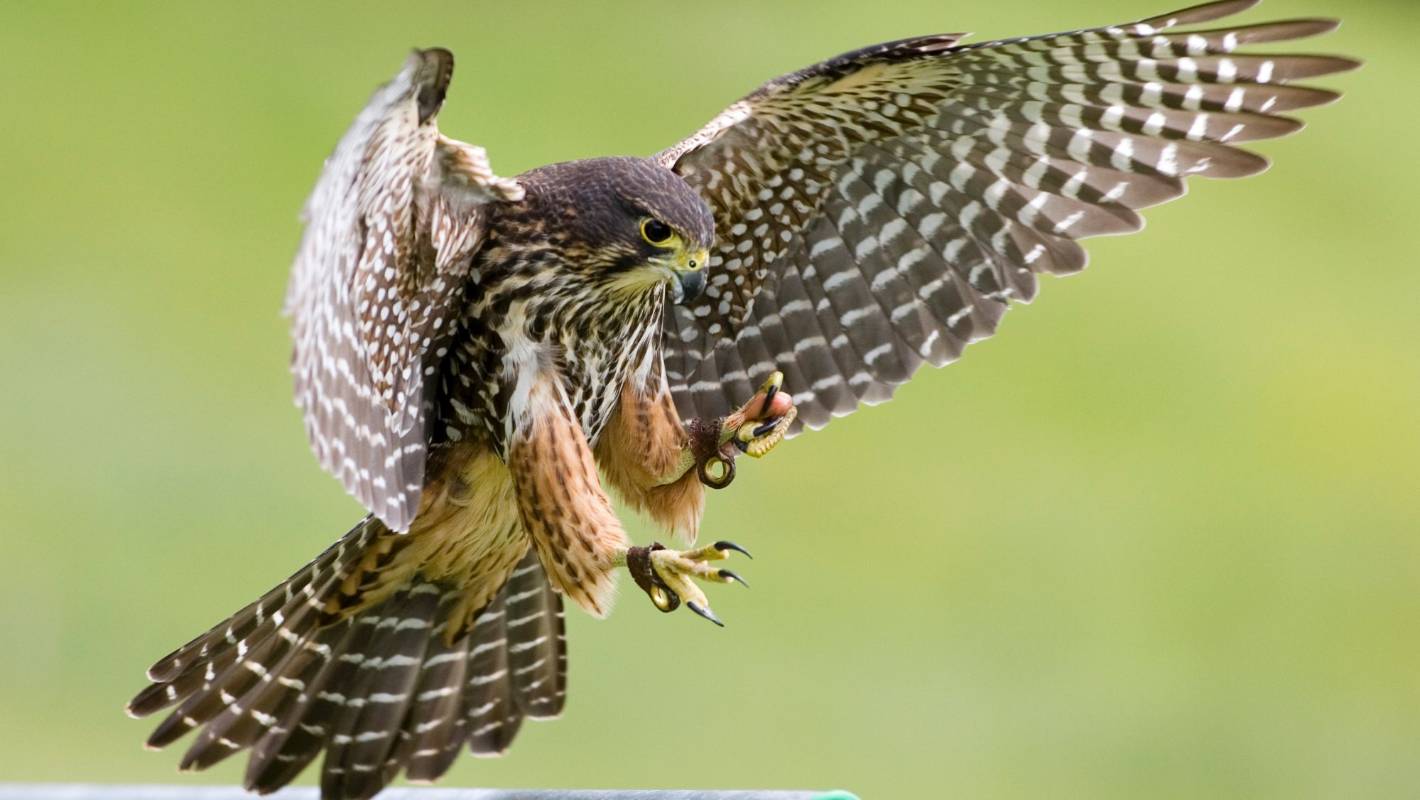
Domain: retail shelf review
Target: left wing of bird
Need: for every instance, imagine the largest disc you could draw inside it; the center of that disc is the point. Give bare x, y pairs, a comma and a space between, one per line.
880, 210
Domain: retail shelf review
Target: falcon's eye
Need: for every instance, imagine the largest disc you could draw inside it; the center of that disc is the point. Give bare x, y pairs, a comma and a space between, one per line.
656, 232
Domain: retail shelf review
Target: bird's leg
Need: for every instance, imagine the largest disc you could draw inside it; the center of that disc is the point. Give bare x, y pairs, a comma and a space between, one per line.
668, 576
659, 463
754, 429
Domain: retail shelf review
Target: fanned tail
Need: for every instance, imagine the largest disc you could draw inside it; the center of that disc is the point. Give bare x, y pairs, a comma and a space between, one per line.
378, 688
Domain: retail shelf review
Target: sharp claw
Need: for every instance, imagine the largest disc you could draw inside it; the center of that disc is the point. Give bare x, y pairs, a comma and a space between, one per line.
730, 575
768, 399
771, 387
669, 576
726, 545
765, 428
705, 612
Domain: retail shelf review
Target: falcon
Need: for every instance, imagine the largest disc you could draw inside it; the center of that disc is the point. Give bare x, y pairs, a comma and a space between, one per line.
475, 355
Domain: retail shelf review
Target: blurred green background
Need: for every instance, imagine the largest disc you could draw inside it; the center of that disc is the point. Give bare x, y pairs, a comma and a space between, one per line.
1157, 539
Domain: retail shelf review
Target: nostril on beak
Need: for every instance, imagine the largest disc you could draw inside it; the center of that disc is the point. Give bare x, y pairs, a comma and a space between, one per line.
691, 285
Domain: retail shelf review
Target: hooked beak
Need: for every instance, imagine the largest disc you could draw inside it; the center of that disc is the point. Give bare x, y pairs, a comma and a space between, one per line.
691, 284
689, 277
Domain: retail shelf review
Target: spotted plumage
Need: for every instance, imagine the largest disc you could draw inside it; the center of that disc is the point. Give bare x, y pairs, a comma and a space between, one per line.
474, 355
881, 210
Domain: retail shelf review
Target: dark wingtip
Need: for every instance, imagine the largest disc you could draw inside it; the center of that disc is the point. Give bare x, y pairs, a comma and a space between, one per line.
1204, 12
1323, 97
166, 668
1316, 26
435, 71
152, 698
1345, 63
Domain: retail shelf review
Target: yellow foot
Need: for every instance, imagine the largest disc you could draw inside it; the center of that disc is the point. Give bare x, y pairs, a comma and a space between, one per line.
754, 429
766, 418
669, 576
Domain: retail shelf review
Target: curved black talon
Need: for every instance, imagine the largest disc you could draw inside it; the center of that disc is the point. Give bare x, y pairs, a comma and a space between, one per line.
768, 398
728, 545
730, 575
766, 427
705, 612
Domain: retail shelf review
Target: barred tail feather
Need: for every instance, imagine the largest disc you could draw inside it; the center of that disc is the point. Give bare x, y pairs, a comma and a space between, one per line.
490, 710
225, 662
300, 734
378, 696
379, 691
536, 641
518, 662
435, 727
230, 634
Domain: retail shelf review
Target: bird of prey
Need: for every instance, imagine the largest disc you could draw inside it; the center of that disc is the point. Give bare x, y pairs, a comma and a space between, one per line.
474, 354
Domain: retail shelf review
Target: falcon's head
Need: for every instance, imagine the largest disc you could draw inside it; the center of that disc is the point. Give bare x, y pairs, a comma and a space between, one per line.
623, 226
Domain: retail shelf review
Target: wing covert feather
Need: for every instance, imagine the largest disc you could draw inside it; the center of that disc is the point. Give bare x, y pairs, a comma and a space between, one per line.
377, 286
882, 209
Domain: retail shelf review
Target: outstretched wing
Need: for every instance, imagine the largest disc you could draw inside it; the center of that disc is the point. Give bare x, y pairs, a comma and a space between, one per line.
391, 228
881, 209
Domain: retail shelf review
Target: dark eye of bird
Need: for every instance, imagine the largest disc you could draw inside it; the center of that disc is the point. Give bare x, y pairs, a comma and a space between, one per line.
655, 231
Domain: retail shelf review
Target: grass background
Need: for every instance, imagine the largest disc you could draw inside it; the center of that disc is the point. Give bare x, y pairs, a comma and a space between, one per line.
1157, 539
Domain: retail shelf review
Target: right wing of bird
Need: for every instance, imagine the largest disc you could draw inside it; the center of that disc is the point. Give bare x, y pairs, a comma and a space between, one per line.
376, 289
